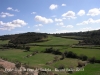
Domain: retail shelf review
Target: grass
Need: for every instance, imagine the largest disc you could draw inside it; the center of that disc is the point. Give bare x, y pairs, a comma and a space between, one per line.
90, 69
20, 55
4, 42
88, 52
37, 48
67, 62
40, 59
58, 41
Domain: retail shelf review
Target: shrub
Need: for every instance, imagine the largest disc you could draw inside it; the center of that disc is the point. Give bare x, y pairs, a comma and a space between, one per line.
53, 51
70, 54
27, 48
48, 50
83, 57
18, 65
92, 60
56, 52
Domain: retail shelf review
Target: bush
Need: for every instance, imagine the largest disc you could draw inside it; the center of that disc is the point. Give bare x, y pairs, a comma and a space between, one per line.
27, 48
53, 51
83, 57
70, 54
92, 60
48, 50
56, 52
18, 65
97, 61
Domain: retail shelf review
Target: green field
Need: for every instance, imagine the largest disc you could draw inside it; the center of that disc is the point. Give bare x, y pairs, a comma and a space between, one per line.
40, 59
88, 52
90, 69
4, 42
58, 41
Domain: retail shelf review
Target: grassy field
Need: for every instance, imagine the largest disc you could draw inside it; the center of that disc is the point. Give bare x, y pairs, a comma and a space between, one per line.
40, 59
88, 52
90, 69
58, 41
4, 42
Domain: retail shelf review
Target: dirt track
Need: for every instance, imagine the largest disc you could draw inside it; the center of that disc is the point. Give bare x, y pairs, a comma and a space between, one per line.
7, 64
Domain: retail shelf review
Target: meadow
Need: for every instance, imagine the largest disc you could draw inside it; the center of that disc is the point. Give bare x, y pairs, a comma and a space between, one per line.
40, 59
57, 41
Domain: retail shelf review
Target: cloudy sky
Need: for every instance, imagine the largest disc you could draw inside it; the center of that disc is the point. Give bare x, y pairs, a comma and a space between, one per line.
50, 16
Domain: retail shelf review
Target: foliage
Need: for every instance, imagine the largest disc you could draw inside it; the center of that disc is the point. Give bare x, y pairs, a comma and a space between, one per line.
53, 51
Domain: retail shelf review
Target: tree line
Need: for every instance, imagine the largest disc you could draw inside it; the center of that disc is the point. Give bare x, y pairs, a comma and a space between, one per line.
24, 38
88, 37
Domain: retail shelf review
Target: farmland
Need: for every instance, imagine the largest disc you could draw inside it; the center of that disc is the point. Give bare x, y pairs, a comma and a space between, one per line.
40, 59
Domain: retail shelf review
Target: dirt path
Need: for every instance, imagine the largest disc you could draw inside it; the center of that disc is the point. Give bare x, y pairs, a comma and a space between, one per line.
6, 64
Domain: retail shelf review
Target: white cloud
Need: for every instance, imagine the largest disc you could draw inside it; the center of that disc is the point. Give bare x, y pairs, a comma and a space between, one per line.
89, 21
33, 13
60, 24
58, 20
69, 14
63, 5
12, 25
94, 12
53, 6
3, 15
10, 8
81, 13
43, 19
39, 25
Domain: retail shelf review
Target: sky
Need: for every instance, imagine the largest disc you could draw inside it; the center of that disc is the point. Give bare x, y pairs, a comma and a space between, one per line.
49, 16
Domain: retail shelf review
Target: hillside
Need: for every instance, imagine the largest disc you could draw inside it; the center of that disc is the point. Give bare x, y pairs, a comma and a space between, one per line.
52, 51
